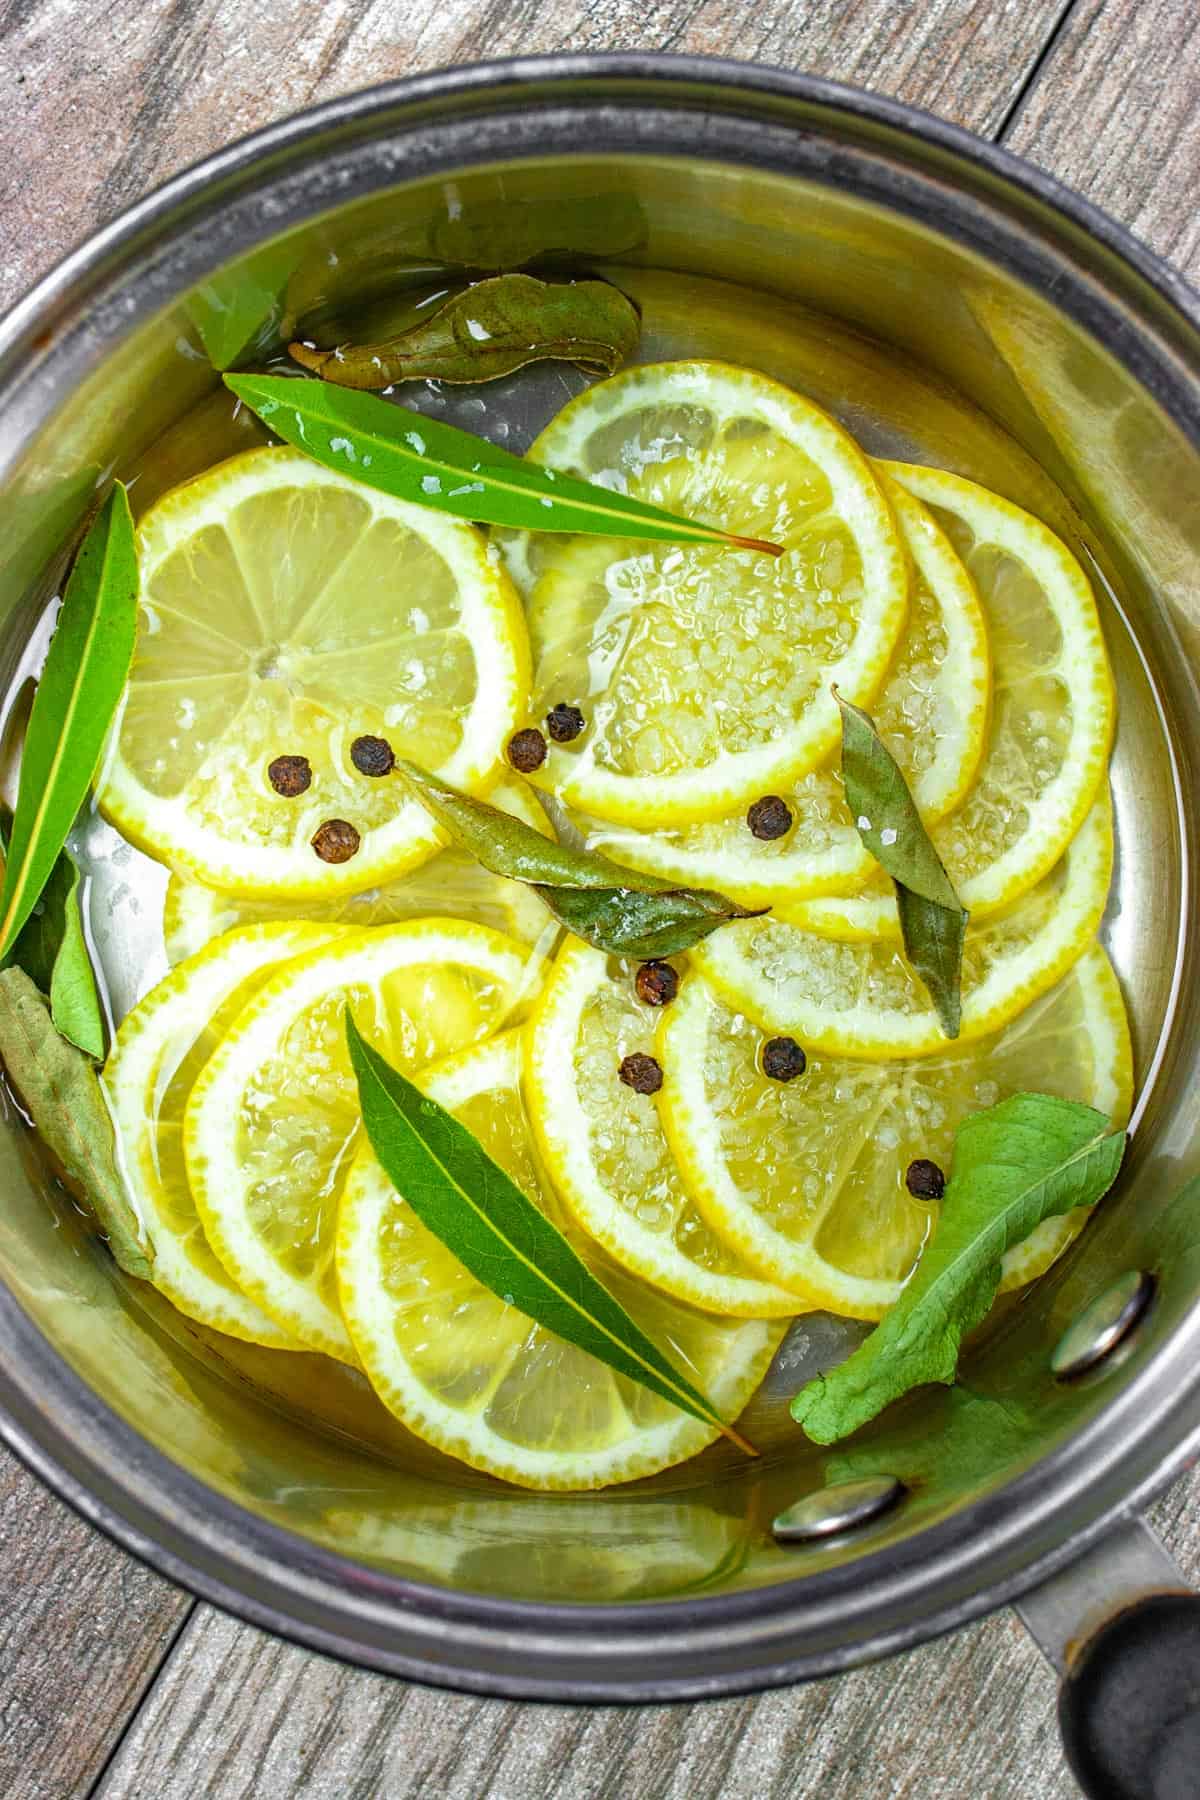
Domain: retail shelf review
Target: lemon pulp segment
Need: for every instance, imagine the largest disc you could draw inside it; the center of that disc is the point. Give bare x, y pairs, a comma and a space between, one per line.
932, 711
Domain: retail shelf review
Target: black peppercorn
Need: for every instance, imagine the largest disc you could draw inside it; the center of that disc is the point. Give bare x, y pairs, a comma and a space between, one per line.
564, 722
783, 1059
769, 818
924, 1180
656, 983
372, 756
527, 750
641, 1073
336, 841
290, 775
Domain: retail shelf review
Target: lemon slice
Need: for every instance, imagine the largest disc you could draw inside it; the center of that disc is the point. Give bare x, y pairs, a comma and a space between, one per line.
273, 1118
161, 1047
806, 1179
451, 884
481, 1380
287, 611
703, 673
604, 1148
862, 999
932, 711
1052, 720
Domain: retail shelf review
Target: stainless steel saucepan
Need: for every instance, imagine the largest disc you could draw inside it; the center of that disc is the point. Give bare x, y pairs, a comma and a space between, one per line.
921, 250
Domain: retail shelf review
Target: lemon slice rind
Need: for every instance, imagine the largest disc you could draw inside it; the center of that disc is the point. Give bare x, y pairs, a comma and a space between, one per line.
742, 1214
1081, 666
450, 883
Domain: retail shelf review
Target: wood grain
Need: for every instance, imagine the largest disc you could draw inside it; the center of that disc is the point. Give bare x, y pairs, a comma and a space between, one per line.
82, 1630
263, 1720
1116, 113
101, 101
970, 1715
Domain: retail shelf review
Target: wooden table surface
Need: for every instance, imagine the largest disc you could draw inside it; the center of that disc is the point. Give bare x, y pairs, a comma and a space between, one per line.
114, 1683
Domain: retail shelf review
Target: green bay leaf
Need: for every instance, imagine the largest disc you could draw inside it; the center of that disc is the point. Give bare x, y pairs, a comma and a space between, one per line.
58, 1086
430, 463
475, 1208
491, 329
52, 949
1029, 1158
74, 998
932, 920
618, 910
77, 695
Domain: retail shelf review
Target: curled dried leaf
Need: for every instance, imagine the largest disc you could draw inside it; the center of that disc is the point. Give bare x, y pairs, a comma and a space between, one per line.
491, 329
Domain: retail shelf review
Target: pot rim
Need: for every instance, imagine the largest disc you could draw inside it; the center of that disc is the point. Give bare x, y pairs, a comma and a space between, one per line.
989, 1551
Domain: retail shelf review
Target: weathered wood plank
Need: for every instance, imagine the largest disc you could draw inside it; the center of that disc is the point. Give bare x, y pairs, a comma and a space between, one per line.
1116, 113
82, 1630
105, 100
973, 1714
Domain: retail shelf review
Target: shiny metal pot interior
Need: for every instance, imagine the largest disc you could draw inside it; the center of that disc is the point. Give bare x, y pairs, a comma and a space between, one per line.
1083, 348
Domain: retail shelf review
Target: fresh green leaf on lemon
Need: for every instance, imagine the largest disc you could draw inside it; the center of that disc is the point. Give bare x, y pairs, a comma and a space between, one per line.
1030, 1158
431, 463
52, 950
475, 1208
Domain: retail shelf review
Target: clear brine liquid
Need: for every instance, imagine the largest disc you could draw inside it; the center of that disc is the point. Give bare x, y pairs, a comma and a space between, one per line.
894, 409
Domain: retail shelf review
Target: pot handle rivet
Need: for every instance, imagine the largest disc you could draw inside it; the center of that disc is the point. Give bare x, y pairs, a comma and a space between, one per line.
845, 1506
1102, 1325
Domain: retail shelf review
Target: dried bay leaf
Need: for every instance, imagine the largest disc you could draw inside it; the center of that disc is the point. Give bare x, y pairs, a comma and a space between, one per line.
932, 920
60, 1090
1029, 1158
491, 329
624, 922
474, 1207
618, 910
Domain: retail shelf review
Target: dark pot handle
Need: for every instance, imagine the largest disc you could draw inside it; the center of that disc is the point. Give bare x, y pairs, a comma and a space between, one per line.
1122, 1627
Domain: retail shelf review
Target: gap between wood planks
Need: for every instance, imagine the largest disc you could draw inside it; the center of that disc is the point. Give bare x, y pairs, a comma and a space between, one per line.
177, 1643
1031, 80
